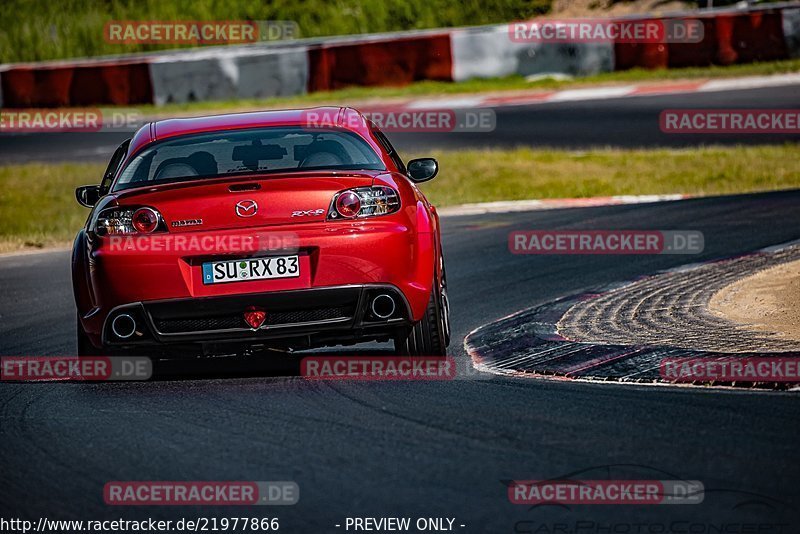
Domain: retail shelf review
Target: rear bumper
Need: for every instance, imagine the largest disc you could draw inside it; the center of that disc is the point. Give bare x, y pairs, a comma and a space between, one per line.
308, 317
339, 262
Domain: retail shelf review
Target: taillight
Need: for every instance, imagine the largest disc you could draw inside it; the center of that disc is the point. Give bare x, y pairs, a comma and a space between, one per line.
364, 202
127, 221
348, 204
145, 220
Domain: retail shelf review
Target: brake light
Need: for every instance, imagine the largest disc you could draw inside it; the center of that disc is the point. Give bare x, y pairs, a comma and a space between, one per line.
348, 204
364, 202
145, 220
128, 221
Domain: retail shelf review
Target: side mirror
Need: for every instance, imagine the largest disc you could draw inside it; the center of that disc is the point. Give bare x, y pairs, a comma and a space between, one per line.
88, 195
423, 169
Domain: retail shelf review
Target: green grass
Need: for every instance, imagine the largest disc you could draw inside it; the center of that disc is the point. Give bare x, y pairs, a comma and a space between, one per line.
524, 173
356, 95
35, 30
38, 208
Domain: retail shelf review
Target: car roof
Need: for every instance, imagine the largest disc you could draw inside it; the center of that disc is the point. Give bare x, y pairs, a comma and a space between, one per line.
338, 117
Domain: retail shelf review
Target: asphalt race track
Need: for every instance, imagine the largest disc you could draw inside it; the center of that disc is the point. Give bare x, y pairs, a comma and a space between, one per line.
433, 449
622, 122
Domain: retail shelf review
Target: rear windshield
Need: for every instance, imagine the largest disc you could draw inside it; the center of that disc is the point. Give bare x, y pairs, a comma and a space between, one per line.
252, 151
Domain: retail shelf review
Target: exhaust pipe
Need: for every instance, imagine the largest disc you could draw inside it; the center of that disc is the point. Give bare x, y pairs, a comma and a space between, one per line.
383, 306
123, 326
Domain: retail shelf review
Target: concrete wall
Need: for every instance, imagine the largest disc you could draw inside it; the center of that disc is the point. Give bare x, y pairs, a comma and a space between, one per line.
488, 52
229, 74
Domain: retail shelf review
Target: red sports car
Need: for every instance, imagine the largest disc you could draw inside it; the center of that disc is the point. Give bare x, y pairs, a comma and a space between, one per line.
227, 234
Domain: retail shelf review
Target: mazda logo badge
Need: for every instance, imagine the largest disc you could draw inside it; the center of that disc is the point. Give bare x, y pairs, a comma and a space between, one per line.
246, 208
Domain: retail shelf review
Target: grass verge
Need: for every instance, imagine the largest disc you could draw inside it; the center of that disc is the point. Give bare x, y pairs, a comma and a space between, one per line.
524, 173
38, 208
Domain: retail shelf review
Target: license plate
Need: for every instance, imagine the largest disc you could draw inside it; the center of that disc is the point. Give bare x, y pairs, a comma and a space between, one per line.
218, 272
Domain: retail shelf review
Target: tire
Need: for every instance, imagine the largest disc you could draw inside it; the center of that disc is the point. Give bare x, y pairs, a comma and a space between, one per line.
431, 335
84, 346
444, 307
